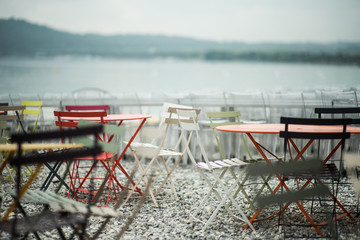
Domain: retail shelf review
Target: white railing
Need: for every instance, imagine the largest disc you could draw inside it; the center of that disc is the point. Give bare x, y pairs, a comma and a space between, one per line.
254, 106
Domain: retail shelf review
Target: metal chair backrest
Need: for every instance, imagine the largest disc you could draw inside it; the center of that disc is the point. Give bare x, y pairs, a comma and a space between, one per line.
292, 133
32, 108
315, 121
61, 122
71, 108
222, 119
188, 119
8, 117
344, 112
18, 116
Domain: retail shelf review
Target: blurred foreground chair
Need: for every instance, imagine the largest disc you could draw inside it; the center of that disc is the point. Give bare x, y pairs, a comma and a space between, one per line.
223, 190
46, 220
59, 211
323, 210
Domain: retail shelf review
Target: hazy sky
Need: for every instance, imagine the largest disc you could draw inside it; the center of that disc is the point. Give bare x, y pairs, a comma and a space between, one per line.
239, 20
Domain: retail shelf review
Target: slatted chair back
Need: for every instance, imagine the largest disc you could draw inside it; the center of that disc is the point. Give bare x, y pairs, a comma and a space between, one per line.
62, 122
72, 108
54, 221
289, 134
313, 121
225, 118
343, 112
33, 111
16, 109
15, 116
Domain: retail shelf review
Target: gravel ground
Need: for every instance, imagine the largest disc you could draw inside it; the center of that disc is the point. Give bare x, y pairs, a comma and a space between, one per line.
172, 219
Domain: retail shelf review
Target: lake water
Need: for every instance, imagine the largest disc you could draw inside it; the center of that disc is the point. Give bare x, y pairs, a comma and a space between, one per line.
65, 74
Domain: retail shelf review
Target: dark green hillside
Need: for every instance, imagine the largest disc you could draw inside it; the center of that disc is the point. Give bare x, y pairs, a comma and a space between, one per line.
21, 38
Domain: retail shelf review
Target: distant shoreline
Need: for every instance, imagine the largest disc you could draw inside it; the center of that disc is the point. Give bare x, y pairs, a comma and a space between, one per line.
23, 39
219, 56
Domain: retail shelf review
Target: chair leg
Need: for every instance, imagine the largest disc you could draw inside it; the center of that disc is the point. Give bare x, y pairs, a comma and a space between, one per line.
142, 178
168, 177
228, 195
211, 190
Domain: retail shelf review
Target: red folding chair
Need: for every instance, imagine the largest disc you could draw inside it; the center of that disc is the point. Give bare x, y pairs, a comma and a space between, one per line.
79, 171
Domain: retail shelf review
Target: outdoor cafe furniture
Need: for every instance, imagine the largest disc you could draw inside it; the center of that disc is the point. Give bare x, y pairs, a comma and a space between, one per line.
223, 190
233, 118
31, 114
11, 117
250, 129
152, 147
62, 212
80, 170
71, 108
119, 119
329, 175
14, 149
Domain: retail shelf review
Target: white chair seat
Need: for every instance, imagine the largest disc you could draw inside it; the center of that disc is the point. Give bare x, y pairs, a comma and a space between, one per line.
152, 148
135, 145
222, 163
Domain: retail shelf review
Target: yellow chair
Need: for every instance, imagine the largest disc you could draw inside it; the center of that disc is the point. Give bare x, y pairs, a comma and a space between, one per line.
31, 114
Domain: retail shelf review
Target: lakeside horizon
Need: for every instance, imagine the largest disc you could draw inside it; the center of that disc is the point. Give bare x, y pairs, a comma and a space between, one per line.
66, 74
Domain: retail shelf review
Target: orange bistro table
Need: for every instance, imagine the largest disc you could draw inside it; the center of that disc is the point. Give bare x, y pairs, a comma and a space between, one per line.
120, 118
250, 129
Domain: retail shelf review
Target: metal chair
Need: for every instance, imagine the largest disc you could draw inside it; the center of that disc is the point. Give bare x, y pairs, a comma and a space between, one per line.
79, 170
230, 118
153, 148
31, 114
323, 210
59, 211
47, 220
223, 190
12, 121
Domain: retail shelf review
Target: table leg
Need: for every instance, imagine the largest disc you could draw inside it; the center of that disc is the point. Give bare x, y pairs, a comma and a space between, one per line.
117, 161
281, 183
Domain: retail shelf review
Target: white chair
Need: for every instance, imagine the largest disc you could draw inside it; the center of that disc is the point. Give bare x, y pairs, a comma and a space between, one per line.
188, 119
153, 149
